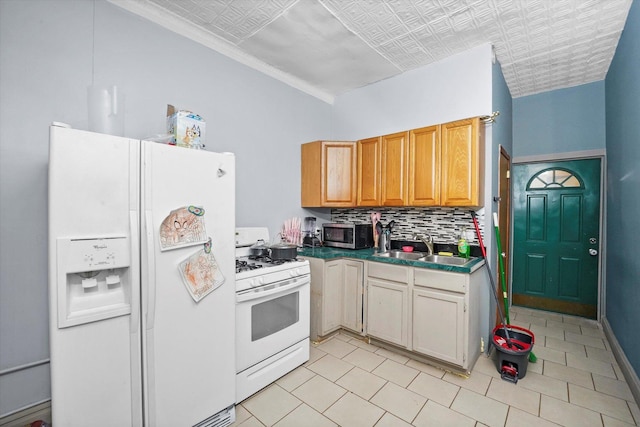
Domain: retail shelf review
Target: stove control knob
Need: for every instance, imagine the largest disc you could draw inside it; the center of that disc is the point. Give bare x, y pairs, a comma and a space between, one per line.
261, 280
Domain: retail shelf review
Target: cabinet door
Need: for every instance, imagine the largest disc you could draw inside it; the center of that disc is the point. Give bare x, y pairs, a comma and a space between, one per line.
328, 174
424, 166
352, 295
387, 311
332, 296
461, 163
339, 174
394, 169
369, 172
438, 325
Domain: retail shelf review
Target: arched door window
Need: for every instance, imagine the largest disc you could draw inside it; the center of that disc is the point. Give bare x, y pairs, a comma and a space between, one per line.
554, 178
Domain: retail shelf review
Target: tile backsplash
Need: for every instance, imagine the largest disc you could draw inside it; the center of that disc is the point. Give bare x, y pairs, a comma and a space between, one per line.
443, 224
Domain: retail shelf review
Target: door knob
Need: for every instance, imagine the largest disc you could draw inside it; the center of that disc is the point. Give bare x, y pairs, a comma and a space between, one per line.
593, 252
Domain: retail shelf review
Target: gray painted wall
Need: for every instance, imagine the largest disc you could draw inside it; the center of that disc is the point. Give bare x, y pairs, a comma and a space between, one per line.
51, 51
455, 88
560, 121
623, 189
47, 55
452, 89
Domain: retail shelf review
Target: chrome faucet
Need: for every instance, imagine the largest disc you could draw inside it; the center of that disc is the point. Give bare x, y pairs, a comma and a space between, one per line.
426, 239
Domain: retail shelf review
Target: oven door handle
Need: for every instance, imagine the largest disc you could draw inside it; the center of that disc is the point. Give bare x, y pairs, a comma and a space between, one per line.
276, 288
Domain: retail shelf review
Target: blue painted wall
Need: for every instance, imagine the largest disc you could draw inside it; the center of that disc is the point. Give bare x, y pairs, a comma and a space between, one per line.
501, 136
501, 100
623, 189
559, 121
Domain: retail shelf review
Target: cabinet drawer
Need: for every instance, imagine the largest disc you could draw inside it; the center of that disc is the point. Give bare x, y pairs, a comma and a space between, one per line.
454, 282
396, 273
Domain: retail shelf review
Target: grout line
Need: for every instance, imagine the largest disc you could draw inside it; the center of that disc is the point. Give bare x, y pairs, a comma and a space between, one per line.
542, 362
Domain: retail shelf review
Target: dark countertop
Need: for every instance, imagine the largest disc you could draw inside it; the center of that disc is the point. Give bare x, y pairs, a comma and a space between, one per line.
368, 255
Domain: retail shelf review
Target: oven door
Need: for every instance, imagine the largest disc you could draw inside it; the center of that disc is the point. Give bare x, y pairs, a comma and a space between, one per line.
271, 318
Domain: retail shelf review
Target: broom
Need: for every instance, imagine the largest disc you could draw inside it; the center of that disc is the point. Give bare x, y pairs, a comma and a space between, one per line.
491, 279
503, 282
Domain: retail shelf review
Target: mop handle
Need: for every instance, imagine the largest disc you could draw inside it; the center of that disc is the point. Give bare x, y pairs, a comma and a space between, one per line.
484, 255
494, 288
503, 280
475, 224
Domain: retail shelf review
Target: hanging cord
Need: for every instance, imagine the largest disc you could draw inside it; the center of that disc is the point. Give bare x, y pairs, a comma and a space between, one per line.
93, 45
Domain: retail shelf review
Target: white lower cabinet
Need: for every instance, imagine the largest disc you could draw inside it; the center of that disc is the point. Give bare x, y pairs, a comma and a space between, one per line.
336, 295
352, 295
387, 311
430, 312
388, 302
446, 315
332, 296
438, 325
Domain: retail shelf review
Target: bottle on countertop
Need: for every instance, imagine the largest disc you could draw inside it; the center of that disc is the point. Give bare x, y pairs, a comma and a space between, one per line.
463, 245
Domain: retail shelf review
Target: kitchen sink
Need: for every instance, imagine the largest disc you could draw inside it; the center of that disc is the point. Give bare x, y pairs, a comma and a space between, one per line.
394, 253
423, 257
442, 259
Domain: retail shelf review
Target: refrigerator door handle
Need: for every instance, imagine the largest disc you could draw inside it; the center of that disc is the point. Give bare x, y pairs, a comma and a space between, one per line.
135, 274
151, 271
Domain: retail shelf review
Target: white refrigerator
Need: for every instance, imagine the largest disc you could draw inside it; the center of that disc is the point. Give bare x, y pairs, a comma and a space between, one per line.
141, 282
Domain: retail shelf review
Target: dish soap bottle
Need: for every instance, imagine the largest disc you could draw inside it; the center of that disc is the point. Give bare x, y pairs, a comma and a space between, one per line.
463, 245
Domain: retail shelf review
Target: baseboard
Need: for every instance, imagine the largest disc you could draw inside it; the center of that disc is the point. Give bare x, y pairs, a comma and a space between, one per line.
24, 417
627, 370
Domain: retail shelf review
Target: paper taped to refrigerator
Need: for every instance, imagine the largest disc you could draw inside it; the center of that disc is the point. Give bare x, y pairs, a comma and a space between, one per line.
183, 227
200, 273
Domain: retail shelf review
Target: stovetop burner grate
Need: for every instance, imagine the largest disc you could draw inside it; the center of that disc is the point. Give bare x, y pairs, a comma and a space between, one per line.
242, 265
269, 260
253, 262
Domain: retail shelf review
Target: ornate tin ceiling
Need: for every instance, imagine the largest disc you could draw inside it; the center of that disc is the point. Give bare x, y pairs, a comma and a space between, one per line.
327, 47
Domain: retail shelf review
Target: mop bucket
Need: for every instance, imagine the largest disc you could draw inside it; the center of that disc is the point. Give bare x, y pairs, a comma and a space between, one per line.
512, 360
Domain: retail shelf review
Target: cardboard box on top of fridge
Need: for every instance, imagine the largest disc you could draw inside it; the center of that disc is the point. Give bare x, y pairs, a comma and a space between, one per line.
186, 128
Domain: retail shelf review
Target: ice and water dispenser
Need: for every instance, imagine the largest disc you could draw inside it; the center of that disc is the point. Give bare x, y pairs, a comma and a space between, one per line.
94, 279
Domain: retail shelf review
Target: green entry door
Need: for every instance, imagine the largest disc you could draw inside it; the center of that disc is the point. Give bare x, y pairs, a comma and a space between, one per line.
556, 241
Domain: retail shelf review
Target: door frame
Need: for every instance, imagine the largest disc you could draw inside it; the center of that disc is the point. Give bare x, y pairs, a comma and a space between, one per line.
506, 223
578, 155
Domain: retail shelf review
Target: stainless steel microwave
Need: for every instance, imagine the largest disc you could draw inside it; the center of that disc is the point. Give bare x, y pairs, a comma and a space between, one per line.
347, 235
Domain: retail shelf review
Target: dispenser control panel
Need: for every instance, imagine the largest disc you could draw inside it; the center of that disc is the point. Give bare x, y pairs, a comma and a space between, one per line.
94, 279
97, 254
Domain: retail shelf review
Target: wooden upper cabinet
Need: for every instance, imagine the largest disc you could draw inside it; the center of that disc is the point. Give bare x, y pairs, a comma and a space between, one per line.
369, 172
462, 163
424, 166
440, 165
328, 174
394, 170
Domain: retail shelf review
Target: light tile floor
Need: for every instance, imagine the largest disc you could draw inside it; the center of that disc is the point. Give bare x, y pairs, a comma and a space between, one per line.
347, 382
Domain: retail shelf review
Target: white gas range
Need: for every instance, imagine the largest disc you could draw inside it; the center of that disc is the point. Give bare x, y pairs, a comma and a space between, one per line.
272, 315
